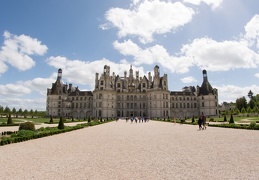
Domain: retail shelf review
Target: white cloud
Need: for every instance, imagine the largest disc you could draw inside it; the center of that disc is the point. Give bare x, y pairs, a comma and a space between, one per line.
252, 30
16, 51
230, 93
188, 79
257, 75
154, 55
213, 3
82, 72
38, 104
220, 56
14, 90
149, 17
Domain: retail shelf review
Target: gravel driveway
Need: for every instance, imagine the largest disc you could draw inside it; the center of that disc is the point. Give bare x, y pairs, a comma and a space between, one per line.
120, 150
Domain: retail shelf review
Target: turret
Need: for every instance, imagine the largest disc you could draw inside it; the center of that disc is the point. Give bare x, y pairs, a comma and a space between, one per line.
156, 71
205, 78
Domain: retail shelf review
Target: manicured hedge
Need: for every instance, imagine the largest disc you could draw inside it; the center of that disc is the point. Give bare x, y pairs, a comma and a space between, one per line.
251, 126
25, 135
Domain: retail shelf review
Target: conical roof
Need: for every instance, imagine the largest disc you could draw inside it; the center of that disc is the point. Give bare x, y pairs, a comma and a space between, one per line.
205, 88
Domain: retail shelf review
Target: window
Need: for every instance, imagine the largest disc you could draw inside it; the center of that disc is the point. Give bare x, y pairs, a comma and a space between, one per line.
101, 82
119, 85
144, 85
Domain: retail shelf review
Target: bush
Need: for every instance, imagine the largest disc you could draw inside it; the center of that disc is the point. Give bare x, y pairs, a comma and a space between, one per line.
61, 123
27, 126
231, 121
225, 118
25, 133
193, 120
51, 120
252, 125
211, 119
9, 120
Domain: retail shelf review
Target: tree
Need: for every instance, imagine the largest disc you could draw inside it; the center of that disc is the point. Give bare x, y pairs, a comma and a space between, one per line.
249, 110
237, 112
20, 111
7, 110
1, 110
35, 113
231, 121
256, 109
250, 94
61, 123
51, 120
14, 111
225, 118
9, 120
252, 103
241, 103
25, 113
31, 113
243, 111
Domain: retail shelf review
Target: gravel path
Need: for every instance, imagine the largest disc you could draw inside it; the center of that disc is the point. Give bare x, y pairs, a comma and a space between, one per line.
120, 150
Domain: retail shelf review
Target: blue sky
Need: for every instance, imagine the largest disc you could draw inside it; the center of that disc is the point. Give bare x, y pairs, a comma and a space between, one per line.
182, 37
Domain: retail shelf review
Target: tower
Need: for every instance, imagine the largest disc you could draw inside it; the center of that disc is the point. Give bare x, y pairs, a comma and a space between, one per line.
207, 96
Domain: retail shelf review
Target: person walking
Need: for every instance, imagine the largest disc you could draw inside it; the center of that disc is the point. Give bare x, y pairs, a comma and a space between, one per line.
200, 122
203, 121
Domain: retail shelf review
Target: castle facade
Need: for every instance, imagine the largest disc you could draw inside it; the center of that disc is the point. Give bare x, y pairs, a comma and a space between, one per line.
131, 95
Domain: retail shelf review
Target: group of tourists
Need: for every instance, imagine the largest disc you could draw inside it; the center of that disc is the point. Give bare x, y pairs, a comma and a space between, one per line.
202, 122
137, 119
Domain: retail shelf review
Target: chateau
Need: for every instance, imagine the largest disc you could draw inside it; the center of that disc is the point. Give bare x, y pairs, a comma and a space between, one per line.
130, 95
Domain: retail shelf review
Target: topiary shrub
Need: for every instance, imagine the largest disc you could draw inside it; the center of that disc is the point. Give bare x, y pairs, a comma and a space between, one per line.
193, 120
61, 123
9, 120
27, 126
252, 125
51, 120
231, 121
225, 118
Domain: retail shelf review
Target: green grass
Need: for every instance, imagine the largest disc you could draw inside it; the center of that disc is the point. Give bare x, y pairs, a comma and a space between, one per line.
37, 120
4, 120
239, 119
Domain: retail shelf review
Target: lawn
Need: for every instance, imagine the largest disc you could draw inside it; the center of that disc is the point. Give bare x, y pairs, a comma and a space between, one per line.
35, 120
238, 119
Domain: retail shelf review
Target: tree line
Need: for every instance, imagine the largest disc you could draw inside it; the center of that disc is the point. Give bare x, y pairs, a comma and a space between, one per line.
243, 106
4, 111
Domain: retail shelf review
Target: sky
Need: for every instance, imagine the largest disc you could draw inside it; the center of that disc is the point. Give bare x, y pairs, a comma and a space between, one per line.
182, 37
